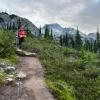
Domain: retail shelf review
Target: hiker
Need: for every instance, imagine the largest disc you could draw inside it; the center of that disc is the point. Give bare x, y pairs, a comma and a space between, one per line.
21, 34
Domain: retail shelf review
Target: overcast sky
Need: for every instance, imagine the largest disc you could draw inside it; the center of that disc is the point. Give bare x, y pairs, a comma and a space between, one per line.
68, 13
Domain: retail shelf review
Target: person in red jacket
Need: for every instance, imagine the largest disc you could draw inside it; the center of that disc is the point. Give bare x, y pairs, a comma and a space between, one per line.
21, 34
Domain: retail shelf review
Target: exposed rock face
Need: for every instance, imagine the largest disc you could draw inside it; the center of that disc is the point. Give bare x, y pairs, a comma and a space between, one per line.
6, 19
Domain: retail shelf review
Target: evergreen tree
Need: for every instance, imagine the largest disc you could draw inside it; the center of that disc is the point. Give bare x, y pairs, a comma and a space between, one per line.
46, 35
90, 46
66, 40
19, 23
78, 41
86, 45
40, 33
61, 40
72, 42
95, 46
13, 26
51, 34
98, 41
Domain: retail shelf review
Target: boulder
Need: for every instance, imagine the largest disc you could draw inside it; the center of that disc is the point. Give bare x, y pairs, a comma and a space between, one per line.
21, 75
9, 80
25, 53
9, 69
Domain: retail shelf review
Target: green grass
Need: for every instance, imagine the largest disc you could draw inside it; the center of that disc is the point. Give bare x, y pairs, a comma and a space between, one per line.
79, 71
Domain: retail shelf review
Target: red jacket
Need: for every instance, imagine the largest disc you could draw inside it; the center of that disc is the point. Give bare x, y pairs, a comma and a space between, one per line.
21, 33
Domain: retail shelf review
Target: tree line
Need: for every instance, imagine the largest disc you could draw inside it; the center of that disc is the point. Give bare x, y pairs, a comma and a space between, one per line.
74, 42
65, 39
78, 44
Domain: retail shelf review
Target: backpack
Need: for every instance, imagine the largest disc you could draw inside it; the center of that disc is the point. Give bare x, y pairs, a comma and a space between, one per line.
21, 33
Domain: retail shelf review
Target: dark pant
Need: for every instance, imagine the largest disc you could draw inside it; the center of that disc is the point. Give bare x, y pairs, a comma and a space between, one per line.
21, 40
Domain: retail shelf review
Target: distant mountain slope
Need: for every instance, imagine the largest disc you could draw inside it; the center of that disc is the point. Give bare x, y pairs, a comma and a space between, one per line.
58, 30
92, 36
6, 19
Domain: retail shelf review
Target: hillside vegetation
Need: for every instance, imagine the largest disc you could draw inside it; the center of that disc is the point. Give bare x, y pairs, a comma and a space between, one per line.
70, 74
7, 53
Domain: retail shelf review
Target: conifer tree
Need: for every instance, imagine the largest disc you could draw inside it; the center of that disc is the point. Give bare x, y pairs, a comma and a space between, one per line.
91, 46
51, 34
78, 41
61, 40
13, 26
19, 23
72, 42
66, 40
98, 41
95, 46
86, 45
46, 35
40, 33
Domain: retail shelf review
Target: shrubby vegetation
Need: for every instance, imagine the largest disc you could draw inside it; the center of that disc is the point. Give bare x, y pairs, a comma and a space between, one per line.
70, 74
2, 78
7, 50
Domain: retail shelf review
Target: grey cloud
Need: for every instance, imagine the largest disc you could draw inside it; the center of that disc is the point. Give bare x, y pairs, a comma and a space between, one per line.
84, 13
89, 17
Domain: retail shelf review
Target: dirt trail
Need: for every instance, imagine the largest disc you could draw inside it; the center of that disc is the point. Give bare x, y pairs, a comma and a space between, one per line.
35, 81
33, 87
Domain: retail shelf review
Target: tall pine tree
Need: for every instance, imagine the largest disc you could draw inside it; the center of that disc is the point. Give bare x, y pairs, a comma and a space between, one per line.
66, 40
95, 46
61, 40
19, 23
46, 35
98, 41
72, 42
78, 41
40, 33
51, 36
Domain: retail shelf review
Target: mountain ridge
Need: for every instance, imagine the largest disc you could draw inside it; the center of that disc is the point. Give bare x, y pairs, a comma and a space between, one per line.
58, 30
7, 20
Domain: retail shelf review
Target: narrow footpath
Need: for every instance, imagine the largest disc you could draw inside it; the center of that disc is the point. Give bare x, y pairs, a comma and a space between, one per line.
33, 87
